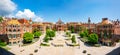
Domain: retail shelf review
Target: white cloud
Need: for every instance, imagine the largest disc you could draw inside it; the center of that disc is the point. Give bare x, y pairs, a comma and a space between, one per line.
27, 13
38, 19
7, 7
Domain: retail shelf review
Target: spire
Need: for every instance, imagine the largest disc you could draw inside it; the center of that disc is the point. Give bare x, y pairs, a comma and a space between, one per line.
30, 21
89, 20
59, 21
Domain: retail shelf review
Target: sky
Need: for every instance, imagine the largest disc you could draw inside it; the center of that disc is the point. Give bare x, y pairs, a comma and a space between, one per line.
66, 10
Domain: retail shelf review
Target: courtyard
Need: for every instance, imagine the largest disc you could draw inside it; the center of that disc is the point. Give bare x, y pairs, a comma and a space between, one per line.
60, 50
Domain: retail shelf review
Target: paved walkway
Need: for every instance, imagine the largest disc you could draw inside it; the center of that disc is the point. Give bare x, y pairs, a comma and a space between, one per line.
66, 50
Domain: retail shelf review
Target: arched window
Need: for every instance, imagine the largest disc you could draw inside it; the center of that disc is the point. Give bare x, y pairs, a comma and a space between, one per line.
18, 30
6, 29
14, 30
10, 30
14, 35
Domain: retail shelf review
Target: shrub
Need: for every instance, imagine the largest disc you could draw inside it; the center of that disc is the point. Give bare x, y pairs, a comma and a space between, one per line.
50, 33
97, 45
37, 34
76, 44
81, 34
31, 54
84, 39
2, 43
68, 34
46, 39
36, 50
73, 39
93, 38
28, 37
84, 33
43, 44
88, 54
84, 51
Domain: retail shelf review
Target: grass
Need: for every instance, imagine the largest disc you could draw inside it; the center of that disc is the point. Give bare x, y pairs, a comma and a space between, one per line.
97, 45
5, 47
44, 44
76, 44
84, 39
35, 40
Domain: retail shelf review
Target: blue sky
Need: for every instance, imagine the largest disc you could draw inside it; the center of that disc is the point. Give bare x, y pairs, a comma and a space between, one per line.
71, 10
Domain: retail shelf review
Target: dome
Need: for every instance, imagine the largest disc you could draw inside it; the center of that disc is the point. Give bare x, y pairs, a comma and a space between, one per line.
14, 22
105, 21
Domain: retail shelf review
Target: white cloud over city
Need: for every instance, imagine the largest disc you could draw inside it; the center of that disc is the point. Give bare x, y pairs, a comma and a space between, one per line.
27, 13
7, 8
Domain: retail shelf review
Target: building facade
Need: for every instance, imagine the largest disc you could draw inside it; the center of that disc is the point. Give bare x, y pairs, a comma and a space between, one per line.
12, 30
108, 31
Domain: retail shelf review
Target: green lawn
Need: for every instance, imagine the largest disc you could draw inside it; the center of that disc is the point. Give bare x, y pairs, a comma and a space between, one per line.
5, 47
35, 40
84, 39
43, 44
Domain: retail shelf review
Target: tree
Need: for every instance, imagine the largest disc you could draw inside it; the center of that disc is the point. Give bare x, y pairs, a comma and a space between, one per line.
73, 39
93, 38
46, 39
105, 34
28, 37
84, 33
71, 28
50, 33
68, 34
36, 30
2, 43
37, 34
1, 19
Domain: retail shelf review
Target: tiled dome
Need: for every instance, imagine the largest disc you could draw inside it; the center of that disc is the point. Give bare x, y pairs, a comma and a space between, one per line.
14, 22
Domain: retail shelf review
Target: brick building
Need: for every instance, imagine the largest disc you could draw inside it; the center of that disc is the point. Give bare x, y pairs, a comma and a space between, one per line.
108, 31
12, 30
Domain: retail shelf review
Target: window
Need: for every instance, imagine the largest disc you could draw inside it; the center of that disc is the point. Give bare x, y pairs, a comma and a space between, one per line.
14, 30
10, 30
18, 41
14, 36
14, 42
9, 43
18, 29
9, 36
6, 29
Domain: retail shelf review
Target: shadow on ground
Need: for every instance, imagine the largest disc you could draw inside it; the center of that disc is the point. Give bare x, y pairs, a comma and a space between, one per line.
114, 52
5, 52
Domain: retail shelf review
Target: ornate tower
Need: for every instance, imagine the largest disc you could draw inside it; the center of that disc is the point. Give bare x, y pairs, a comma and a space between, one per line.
30, 21
89, 21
